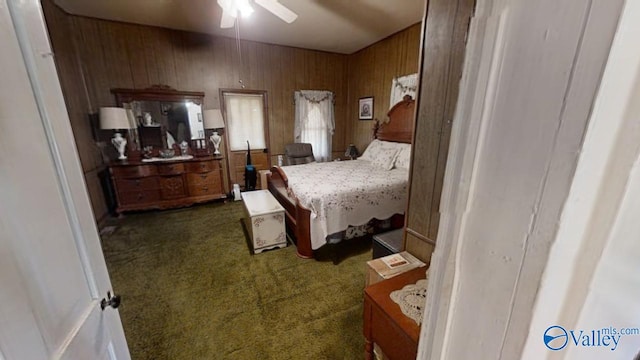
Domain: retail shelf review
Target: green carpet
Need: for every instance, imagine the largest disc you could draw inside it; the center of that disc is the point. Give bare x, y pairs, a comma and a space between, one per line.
191, 289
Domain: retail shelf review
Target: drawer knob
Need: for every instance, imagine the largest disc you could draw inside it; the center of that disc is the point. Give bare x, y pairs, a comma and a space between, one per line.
204, 176
138, 182
205, 188
140, 196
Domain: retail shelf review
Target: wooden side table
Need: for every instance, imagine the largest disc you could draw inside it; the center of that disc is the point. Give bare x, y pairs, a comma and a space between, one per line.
385, 324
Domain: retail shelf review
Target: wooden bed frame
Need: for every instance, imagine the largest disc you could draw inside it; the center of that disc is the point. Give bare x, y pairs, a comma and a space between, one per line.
398, 129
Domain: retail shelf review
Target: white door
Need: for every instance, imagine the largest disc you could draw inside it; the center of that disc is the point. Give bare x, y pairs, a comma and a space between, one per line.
52, 271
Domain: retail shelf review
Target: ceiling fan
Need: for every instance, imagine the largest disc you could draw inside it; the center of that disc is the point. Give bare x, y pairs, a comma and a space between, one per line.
232, 8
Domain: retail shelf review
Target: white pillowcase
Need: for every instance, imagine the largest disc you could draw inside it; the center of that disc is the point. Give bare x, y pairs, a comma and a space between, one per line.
371, 151
386, 158
381, 154
403, 159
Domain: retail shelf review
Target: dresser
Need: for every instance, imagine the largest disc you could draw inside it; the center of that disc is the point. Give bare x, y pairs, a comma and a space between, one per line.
384, 323
166, 184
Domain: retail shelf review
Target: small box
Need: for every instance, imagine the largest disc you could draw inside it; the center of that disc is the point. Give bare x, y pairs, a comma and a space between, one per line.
390, 266
265, 220
387, 243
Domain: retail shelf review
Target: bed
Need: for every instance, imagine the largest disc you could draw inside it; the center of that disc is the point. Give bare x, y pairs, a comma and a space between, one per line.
322, 199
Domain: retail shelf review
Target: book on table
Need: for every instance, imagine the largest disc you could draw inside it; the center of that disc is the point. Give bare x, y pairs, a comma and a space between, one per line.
394, 264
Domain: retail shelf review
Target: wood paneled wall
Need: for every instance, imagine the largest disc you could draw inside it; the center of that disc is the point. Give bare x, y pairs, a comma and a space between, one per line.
135, 56
73, 86
371, 71
93, 56
442, 59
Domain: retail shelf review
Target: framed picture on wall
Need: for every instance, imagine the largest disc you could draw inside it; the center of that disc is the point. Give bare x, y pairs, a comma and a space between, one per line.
365, 108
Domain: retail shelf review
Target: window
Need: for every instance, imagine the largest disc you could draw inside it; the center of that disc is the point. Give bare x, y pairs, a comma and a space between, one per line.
245, 120
315, 121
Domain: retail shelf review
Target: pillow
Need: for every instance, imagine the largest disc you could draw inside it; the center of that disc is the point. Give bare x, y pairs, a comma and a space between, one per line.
374, 147
385, 158
371, 150
403, 159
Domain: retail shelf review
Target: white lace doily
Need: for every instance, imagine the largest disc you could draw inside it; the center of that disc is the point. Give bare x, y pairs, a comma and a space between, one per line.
412, 299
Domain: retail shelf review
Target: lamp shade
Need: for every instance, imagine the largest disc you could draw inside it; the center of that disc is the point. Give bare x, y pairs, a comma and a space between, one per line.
213, 119
351, 152
113, 118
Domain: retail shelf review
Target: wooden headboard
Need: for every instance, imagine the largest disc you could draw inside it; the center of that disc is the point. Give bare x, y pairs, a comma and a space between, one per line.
400, 125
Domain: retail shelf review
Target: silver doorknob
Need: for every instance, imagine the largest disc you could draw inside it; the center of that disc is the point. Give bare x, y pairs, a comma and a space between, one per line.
113, 301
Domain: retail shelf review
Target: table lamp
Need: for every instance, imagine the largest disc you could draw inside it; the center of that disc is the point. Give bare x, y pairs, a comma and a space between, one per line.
213, 120
351, 152
115, 118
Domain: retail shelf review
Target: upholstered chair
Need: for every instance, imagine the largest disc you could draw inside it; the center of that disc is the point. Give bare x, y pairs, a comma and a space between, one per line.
298, 153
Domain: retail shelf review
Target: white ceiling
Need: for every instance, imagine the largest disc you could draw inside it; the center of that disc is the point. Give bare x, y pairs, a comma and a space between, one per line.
342, 26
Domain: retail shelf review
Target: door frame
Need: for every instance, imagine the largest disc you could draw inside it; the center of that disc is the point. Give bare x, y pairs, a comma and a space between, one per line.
480, 74
599, 190
265, 110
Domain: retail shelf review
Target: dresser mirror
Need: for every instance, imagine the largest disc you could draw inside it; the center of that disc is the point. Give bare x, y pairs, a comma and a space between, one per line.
162, 117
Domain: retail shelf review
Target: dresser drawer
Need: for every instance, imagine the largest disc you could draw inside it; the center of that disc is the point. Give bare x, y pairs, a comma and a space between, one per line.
172, 187
202, 166
133, 171
171, 169
138, 197
203, 178
213, 188
137, 184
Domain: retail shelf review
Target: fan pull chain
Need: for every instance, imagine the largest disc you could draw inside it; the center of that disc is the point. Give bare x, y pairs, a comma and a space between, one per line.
239, 52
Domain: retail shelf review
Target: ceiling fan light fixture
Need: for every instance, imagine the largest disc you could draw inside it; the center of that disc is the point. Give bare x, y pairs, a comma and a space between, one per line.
244, 8
231, 9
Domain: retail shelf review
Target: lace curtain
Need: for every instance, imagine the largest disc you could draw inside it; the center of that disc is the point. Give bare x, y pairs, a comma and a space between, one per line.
314, 121
401, 86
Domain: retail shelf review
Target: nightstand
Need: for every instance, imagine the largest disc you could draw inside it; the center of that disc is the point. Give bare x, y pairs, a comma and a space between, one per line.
384, 323
387, 243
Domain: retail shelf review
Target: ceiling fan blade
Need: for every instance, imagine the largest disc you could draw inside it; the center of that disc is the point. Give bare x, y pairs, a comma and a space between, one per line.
229, 13
278, 10
227, 21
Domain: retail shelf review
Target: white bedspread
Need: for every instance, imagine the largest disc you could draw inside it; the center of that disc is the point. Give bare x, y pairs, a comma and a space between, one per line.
346, 193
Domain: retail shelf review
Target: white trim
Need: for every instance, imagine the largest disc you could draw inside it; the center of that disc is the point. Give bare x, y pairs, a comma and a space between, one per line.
23, 34
111, 351
61, 351
488, 96
460, 171
473, 126
607, 158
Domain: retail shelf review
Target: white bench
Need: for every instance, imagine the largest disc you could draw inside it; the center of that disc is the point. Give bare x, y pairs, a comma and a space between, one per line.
265, 217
